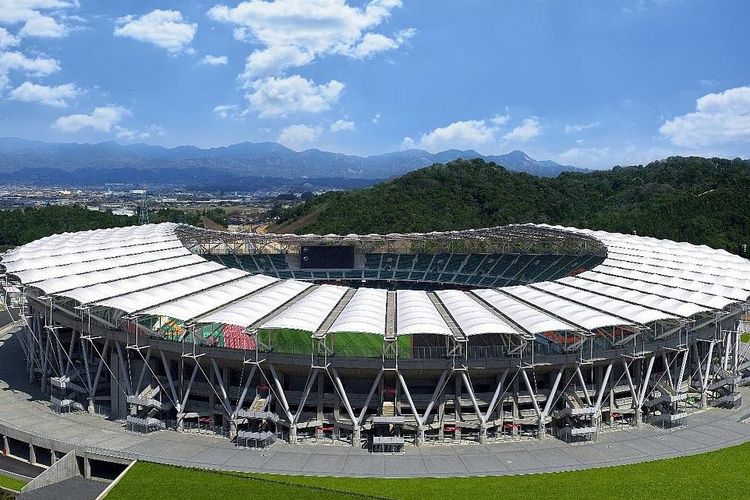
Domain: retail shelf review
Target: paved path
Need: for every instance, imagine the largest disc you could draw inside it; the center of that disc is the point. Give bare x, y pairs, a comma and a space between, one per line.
21, 410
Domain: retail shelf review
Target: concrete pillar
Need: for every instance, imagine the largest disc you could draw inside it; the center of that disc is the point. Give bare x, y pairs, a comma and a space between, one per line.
211, 394
457, 406
319, 407
232, 429
420, 439
541, 429
293, 434
356, 436
638, 416
90, 407
482, 434
441, 417
6, 446
53, 456
86, 468
32, 454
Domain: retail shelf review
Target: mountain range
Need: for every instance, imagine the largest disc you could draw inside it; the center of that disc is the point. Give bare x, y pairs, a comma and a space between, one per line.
37, 159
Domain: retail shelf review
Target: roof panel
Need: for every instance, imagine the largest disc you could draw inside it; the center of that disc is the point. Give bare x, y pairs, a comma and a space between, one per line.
415, 314
33, 276
143, 299
205, 301
678, 307
364, 313
635, 313
250, 310
310, 311
471, 316
585, 317
530, 319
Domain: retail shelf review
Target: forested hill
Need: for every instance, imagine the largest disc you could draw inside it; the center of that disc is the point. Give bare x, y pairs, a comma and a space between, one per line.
700, 200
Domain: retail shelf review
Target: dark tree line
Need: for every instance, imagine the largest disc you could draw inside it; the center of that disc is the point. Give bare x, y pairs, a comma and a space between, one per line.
700, 200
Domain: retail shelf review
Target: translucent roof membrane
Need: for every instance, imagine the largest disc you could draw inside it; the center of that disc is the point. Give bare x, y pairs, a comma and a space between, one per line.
626, 269
250, 310
87, 247
109, 289
415, 313
49, 274
310, 311
144, 299
632, 312
728, 281
585, 317
529, 318
708, 267
364, 313
68, 242
471, 316
203, 302
711, 301
56, 285
678, 307
687, 284
71, 258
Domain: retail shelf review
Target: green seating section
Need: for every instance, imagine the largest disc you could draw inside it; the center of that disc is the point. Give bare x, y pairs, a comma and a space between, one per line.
481, 270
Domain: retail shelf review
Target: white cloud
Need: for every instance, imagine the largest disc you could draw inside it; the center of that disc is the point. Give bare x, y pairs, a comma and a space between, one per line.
38, 66
39, 18
475, 134
284, 95
299, 136
163, 28
527, 130
57, 96
130, 135
580, 127
461, 134
720, 118
340, 125
101, 119
293, 33
586, 157
376, 118
499, 119
230, 111
7, 39
215, 60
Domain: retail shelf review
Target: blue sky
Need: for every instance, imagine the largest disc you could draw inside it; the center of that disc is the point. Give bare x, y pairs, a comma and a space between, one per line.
591, 83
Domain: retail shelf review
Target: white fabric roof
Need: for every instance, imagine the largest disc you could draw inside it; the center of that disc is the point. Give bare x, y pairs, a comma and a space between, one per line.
71, 258
621, 268
202, 302
55, 285
310, 311
250, 310
632, 312
32, 276
90, 240
530, 319
691, 274
144, 299
415, 313
364, 313
585, 317
712, 301
102, 291
678, 307
471, 316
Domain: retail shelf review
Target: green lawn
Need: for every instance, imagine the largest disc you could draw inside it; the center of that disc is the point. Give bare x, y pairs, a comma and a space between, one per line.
709, 475
11, 483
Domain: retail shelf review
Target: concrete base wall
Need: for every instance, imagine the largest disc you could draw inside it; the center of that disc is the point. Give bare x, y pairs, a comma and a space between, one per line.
65, 468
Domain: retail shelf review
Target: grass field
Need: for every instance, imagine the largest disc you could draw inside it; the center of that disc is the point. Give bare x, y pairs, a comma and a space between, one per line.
11, 483
721, 473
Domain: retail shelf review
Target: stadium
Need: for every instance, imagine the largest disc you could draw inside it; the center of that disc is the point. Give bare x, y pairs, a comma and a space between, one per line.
380, 341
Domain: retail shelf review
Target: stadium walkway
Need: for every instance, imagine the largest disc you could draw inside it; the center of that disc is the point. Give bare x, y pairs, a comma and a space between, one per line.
21, 410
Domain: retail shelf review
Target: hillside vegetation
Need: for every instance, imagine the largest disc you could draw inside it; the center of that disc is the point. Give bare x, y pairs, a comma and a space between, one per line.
21, 226
700, 200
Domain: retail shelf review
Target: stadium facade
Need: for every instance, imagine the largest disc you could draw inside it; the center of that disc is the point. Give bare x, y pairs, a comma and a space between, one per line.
380, 340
